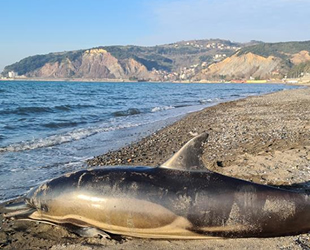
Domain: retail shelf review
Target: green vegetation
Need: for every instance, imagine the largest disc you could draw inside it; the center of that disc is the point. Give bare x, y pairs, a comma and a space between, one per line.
281, 50
299, 70
32, 63
206, 58
154, 64
133, 78
157, 57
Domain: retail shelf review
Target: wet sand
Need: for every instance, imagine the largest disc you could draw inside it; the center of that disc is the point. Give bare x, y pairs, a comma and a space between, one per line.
263, 139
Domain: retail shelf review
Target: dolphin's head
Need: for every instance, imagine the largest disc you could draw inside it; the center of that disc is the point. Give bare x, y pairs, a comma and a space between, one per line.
23, 208
39, 198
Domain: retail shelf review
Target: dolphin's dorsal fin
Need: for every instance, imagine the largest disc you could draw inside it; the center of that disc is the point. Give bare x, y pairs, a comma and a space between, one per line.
189, 156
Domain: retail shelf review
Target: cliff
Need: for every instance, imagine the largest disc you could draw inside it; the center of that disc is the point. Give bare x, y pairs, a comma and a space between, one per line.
93, 63
242, 67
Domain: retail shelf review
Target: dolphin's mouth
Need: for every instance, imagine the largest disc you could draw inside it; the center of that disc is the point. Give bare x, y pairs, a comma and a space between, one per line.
18, 210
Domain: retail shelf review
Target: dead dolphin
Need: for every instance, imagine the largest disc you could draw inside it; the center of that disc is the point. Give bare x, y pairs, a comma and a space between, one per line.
178, 200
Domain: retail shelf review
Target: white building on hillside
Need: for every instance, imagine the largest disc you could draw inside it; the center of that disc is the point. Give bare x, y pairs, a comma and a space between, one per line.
12, 74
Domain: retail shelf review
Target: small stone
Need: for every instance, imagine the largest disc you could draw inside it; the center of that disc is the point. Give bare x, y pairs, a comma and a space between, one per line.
3, 238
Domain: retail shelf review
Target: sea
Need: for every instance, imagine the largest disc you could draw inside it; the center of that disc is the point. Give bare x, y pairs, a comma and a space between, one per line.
51, 128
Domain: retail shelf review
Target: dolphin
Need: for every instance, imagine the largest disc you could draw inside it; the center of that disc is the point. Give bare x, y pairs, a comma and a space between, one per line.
180, 199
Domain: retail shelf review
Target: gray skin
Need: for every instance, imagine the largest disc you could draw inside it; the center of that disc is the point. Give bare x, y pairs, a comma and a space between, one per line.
178, 200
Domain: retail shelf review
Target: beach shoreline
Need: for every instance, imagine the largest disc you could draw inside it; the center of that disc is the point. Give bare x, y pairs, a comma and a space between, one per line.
263, 139
109, 80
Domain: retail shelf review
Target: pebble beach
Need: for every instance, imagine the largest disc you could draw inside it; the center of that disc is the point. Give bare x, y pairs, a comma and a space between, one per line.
262, 139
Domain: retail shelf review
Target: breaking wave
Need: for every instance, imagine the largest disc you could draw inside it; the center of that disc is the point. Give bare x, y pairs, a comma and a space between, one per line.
55, 140
209, 100
157, 109
128, 112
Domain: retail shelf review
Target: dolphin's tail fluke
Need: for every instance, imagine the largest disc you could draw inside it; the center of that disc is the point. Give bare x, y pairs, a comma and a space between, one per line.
189, 157
18, 210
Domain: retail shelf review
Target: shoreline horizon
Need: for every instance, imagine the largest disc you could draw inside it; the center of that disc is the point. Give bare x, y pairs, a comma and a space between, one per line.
108, 80
268, 82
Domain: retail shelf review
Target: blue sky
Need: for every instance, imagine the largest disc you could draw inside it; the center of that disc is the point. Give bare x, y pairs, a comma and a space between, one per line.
30, 27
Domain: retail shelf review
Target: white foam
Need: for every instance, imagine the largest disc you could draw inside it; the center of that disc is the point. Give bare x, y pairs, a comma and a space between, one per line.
203, 101
163, 108
54, 140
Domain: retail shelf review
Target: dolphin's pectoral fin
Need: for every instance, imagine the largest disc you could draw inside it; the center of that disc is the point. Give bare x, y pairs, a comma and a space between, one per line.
189, 156
89, 232
92, 232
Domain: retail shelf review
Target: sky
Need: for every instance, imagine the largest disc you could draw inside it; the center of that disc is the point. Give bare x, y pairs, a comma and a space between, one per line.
31, 27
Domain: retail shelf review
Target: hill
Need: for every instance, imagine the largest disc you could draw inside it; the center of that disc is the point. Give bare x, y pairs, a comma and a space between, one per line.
136, 62
185, 60
262, 61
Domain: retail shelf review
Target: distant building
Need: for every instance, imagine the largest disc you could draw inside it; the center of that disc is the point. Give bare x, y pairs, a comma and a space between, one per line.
12, 74
204, 64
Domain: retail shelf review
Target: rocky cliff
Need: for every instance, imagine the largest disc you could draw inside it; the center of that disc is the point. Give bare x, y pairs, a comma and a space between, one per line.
300, 57
242, 67
93, 63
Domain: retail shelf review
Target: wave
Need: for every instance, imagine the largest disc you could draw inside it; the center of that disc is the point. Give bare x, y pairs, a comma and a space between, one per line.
63, 107
163, 108
55, 140
61, 124
249, 94
9, 127
135, 111
77, 106
203, 101
26, 110
37, 109
182, 106
128, 112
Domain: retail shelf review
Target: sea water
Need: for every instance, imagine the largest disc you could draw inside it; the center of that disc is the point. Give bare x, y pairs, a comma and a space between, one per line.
50, 128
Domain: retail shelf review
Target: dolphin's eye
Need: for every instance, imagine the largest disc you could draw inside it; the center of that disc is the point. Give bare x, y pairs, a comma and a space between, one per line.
44, 208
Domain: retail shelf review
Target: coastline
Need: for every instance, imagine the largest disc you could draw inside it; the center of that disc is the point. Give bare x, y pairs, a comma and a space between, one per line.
276, 81
264, 139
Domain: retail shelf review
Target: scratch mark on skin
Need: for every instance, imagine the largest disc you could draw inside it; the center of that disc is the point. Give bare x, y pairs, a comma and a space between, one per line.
234, 216
69, 174
283, 208
80, 180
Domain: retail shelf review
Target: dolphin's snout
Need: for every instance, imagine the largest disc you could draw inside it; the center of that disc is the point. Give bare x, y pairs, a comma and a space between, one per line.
18, 210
